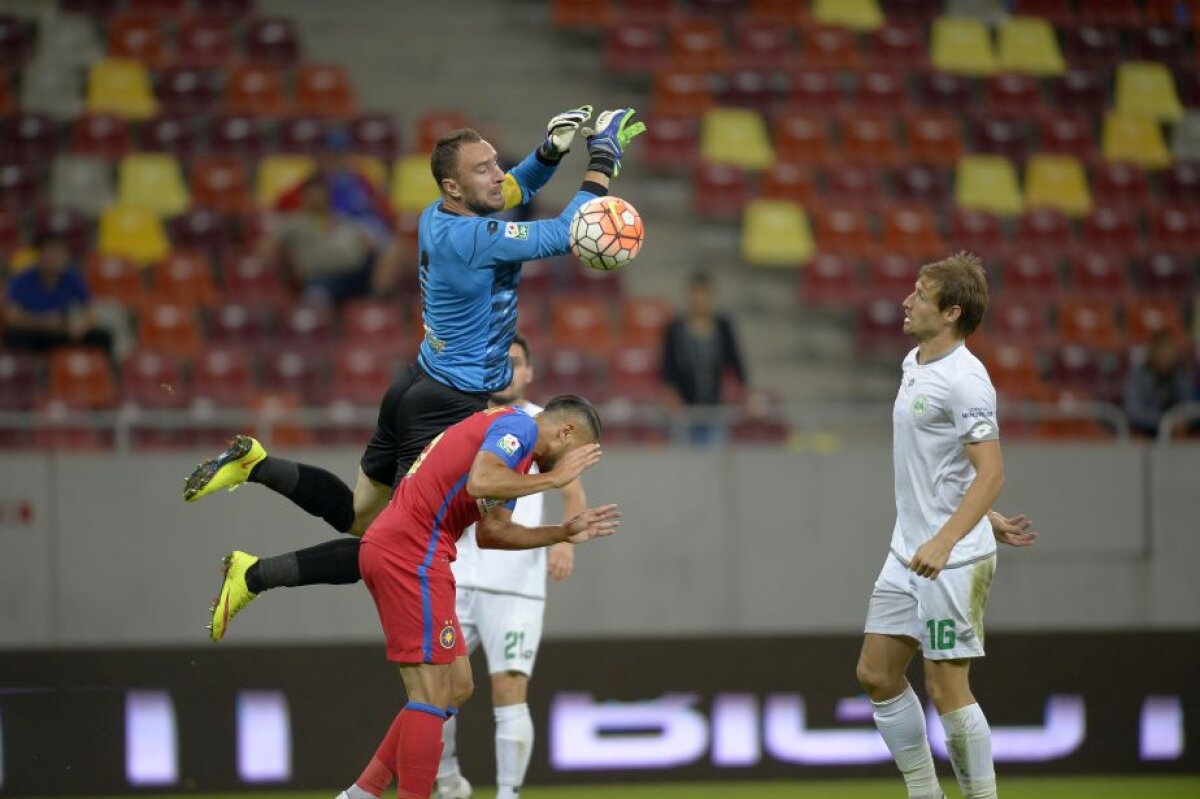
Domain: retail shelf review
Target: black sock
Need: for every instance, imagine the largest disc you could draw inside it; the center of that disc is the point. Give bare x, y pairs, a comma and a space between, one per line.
332, 563
315, 490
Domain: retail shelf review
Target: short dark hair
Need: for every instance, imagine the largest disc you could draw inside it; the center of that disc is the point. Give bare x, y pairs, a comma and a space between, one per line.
576, 406
960, 281
521, 342
444, 160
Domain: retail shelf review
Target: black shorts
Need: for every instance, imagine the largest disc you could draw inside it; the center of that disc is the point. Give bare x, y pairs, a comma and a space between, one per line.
414, 410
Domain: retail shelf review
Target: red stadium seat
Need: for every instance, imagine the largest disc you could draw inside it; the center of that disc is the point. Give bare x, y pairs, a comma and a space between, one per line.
650, 12
912, 231
634, 372
200, 229
719, 191
10, 234
1180, 184
815, 91
273, 40
187, 90
801, 137
762, 45
1044, 230
20, 186
240, 322
977, 231
151, 379
1122, 186
580, 13
20, 380
185, 278
697, 45
433, 125
1110, 230
1097, 274
325, 90
101, 134
1068, 134
919, 183
29, 138
1014, 372
1162, 43
220, 182
224, 376
256, 90
842, 230
1058, 13
1015, 321
138, 37
854, 185
100, 9
16, 40
82, 377
880, 327
112, 277
1090, 47
898, 46
830, 281
1031, 275
377, 323
785, 180
1145, 316
783, 13
308, 325
643, 320
631, 46
1166, 274
1085, 370
829, 48
934, 138
881, 91
361, 373
374, 134
1175, 228
246, 275
164, 9
869, 138
1170, 12
916, 11
892, 274
750, 88
238, 134
64, 223
304, 134
1111, 13
1013, 94
1008, 137
1084, 91
945, 92
670, 143
298, 371
581, 321
229, 9
1089, 321
169, 327
205, 42
681, 93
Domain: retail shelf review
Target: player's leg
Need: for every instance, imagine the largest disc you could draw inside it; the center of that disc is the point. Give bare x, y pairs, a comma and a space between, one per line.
370, 498
514, 731
952, 609
451, 784
889, 644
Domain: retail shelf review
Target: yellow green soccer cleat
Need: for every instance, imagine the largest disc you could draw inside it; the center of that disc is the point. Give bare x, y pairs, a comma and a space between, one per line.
234, 594
227, 470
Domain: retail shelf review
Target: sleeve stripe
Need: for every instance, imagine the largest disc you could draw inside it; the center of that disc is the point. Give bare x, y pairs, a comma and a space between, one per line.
513, 195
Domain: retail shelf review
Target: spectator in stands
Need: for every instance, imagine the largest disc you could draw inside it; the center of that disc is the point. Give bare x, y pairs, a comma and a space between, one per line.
699, 350
351, 194
332, 257
49, 305
1157, 384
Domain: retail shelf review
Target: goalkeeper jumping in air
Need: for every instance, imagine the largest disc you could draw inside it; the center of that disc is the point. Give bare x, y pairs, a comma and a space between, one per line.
470, 267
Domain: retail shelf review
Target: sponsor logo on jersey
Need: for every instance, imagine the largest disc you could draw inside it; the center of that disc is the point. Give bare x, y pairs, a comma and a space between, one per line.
447, 637
516, 230
920, 405
510, 444
981, 431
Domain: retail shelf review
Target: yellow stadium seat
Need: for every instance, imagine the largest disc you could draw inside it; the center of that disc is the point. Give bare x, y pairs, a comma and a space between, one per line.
122, 87
1146, 89
776, 233
987, 183
962, 45
1136, 139
154, 182
1028, 44
1058, 182
133, 233
859, 15
371, 168
413, 187
736, 136
277, 174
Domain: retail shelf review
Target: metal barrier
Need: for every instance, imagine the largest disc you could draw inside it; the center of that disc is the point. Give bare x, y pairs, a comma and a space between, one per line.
1177, 417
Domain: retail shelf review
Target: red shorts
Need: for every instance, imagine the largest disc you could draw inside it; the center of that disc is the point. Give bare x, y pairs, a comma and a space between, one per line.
416, 607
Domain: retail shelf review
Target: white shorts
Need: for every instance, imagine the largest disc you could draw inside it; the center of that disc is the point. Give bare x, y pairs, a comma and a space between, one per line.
945, 615
508, 626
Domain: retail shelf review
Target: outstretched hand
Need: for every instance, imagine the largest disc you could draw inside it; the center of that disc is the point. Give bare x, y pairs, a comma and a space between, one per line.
574, 463
1013, 531
593, 523
561, 130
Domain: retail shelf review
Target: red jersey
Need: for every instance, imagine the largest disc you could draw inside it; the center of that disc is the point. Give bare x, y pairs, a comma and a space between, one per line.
431, 508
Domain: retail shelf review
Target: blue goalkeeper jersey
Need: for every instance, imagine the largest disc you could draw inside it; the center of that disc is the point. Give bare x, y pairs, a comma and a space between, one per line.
469, 270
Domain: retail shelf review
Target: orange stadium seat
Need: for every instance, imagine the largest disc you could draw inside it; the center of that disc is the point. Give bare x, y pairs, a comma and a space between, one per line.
247, 275
882, 91
580, 13
1044, 230
829, 48
719, 191
1111, 230
784, 13
977, 231
631, 46
1014, 320
697, 44
898, 46
237, 321
854, 185
1059, 13
101, 134
842, 230
670, 143
802, 137
912, 231
220, 182
869, 138
361, 372
1145, 316
1089, 321
643, 320
762, 45
785, 180
112, 277
1014, 372
1111, 13
170, 327
934, 138
815, 91
433, 125
682, 93
1095, 273
325, 90
256, 90
224, 376
138, 37
82, 377
205, 42
185, 278
581, 321
1030, 274
830, 281
151, 379
653, 12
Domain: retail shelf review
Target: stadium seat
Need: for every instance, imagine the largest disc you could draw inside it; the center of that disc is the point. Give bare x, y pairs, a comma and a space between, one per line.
1044, 230
869, 138
697, 45
1112, 231
375, 135
238, 135
802, 137
943, 91
248, 276
1120, 185
1166, 274
101, 134
99, 10
413, 187
82, 377
826, 48
66, 224
1137, 140
187, 90
201, 229
737, 137
1145, 316
303, 134
170, 327
133, 233
815, 91
581, 321
653, 12
219, 182
1089, 321
918, 183
1014, 372
224, 375
307, 324
30, 138
631, 46
776, 233
205, 42
879, 327
1028, 45
1082, 369
434, 124
783, 13
854, 185
1163, 44
634, 372
977, 231
882, 91
755, 89
69, 40
987, 183
138, 37
830, 281
962, 46
1058, 182
1020, 322
1003, 136
934, 138
842, 230
325, 90
1146, 89
1095, 273
579, 14
917, 11
1081, 91
892, 274
53, 88
898, 46
566, 369
681, 93
669, 144
1111, 13
1187, 82
20, 380
153, 380
1059, 13
83, 183
1185, 138
163, 9
856, 15
1031, 275
912, 231
643, 320
1091, 47
273, 40
8, 100
1181, 13
298, 371
366, 322
785, 180
232, 10
1013, 95
112, 277
278, 173
256, 90
1175, 228
1180, 184
121, 87
241, 322
762, 45
20, 186
154, 182
185, 278
16, 40
361, 373
719, 191
1067, 134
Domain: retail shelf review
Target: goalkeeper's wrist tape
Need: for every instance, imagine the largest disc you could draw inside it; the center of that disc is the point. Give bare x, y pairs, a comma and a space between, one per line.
548, 155
603, 162
592, 187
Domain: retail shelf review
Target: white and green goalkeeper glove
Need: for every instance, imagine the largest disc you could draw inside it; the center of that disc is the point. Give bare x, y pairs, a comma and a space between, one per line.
561, 130
606, 144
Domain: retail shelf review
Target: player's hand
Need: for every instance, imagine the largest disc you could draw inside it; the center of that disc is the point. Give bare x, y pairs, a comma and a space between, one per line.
593, 523
561, 130
560, 562
1012, 531
613, 132
574, 463
931, 557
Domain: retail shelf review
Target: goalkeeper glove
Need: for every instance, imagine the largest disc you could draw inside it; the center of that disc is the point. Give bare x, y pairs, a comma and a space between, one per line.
560, 132
606, 144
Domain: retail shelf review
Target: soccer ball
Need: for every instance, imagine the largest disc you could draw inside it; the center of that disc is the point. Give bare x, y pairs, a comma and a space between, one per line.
606, 233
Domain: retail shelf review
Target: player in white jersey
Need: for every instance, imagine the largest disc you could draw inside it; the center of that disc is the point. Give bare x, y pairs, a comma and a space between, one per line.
501, 599
931, 593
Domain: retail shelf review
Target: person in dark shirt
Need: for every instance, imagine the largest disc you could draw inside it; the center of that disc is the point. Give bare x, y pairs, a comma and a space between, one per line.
1157, 384
49, 305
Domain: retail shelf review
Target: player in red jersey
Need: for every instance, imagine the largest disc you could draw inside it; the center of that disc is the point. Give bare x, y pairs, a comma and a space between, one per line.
471, 474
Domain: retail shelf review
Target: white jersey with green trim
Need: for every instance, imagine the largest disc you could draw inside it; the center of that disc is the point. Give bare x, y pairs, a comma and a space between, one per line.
942, 406
505, 571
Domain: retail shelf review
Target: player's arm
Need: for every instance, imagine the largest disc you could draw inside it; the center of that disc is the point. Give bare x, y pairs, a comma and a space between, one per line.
497, 530
560, 561
526, 178
1013, 531
492, 475
488, 243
